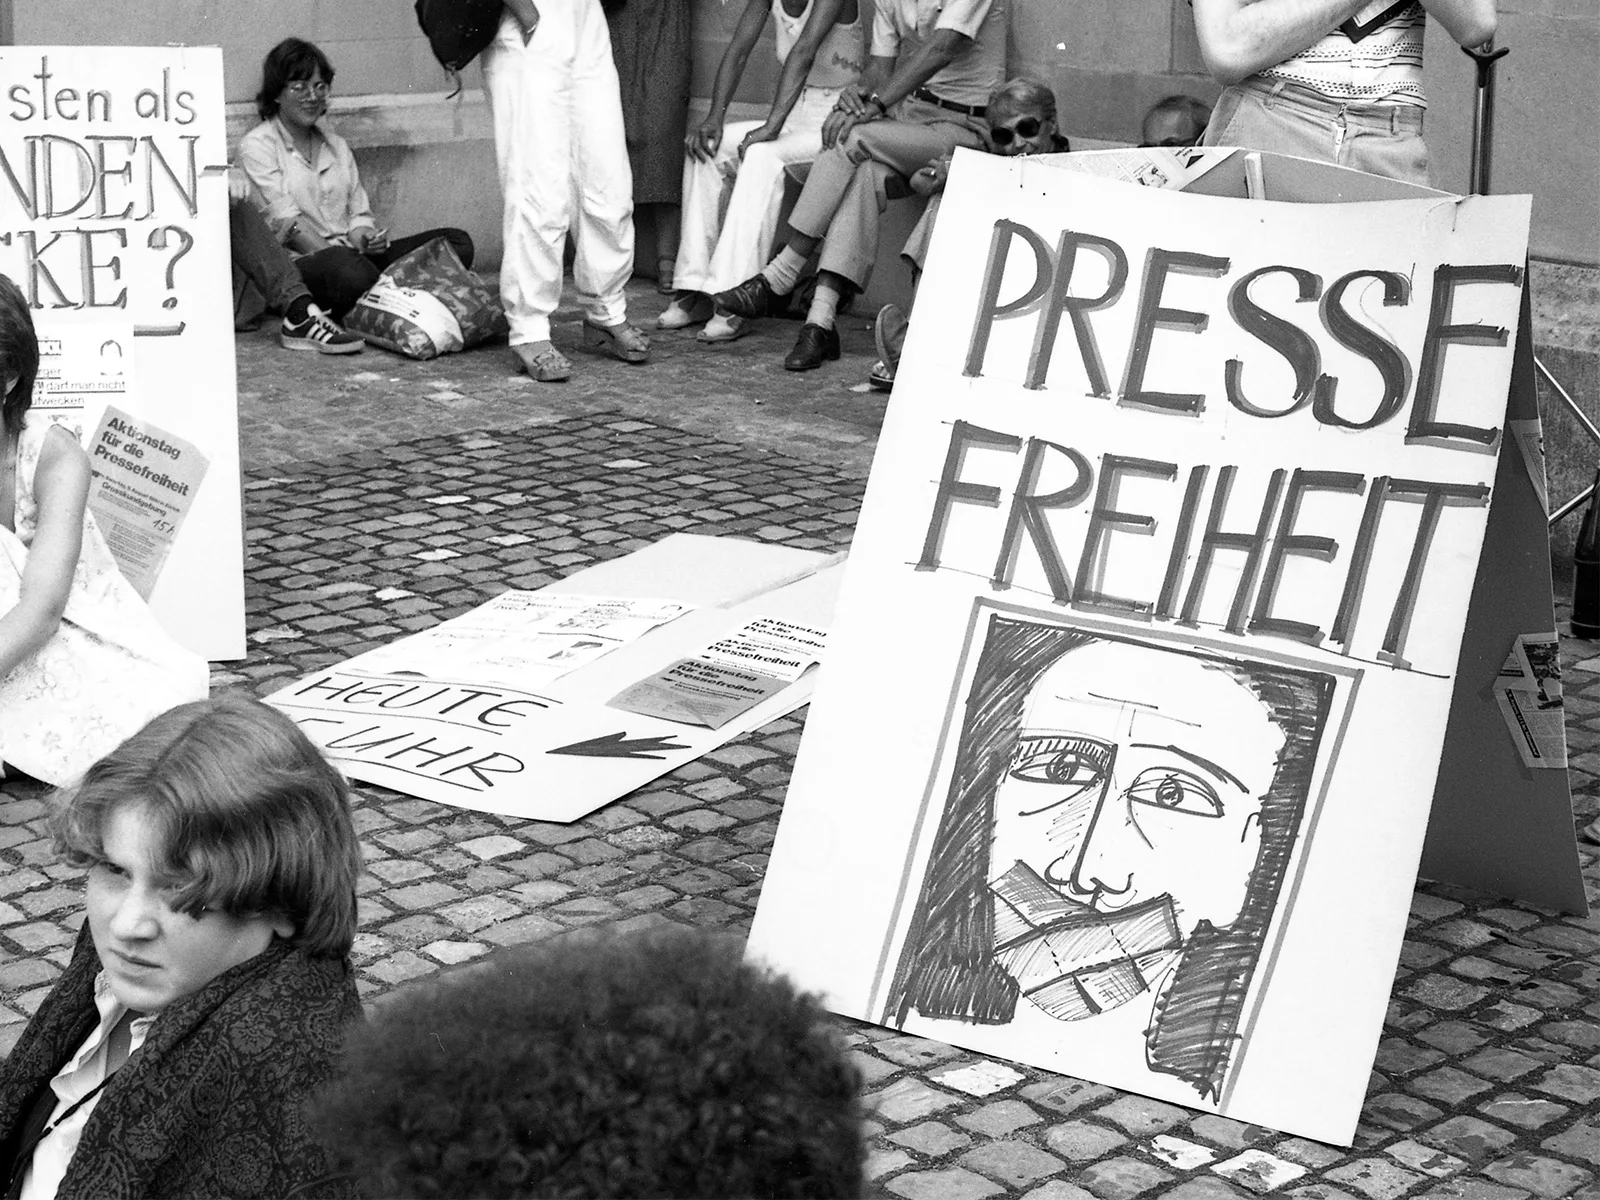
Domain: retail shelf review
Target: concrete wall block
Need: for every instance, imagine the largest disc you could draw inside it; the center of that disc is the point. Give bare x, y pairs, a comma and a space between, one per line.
1185, 45
1131, 35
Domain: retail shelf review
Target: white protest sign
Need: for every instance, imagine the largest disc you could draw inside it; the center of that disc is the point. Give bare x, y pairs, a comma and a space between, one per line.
1123, 755
560, 752
114, 204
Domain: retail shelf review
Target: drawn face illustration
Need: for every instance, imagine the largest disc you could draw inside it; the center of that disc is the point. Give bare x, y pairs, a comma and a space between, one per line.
1128, 815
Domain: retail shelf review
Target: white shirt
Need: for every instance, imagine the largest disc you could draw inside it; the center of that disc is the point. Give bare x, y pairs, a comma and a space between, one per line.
83, 1072
324, 196
900, 26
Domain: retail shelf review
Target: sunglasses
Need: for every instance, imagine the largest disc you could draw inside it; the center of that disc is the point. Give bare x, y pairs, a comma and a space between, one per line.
1028, 127
305, 89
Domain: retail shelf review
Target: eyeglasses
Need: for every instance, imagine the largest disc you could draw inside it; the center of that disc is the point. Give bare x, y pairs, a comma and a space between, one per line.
1028, 127
305, 89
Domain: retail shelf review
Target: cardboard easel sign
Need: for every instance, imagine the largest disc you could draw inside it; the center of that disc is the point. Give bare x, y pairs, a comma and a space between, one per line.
1145, 649
114, 223
462, 733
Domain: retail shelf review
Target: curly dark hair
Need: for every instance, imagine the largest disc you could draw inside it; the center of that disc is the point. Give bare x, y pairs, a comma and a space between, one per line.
289, 60
647, 1064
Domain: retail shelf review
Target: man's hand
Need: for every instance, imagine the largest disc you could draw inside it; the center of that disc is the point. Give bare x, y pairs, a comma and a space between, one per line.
931, 178
761, 133
527, 14
837, 126
704, 140
853, 102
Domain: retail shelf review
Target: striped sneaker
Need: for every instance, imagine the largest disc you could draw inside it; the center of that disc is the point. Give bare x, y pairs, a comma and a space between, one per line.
318, 332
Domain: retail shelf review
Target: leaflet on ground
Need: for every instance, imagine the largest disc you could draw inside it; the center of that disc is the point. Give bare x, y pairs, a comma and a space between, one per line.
524, 638
730, 676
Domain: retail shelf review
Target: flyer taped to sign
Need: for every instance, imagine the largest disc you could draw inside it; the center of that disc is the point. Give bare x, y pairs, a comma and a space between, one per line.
728, 677
145, 480
1528, 692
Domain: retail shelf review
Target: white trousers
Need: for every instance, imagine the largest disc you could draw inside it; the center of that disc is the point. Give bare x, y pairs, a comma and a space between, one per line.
718, 250
563, 165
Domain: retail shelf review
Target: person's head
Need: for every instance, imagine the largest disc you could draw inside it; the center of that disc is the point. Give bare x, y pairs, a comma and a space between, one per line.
295, 78
1174, 121
650, 1064
19, 355
1022, 117
1138, 776
214, 830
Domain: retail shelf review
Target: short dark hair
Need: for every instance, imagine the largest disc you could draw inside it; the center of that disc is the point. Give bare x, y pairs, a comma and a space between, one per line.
250, 817
289, 60
19, 354
656, 1063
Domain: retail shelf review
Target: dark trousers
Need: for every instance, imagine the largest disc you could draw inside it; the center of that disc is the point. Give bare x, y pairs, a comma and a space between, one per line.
338, 275
259, 259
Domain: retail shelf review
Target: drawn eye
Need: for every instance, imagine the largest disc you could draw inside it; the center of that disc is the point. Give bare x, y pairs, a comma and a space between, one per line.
1176, 791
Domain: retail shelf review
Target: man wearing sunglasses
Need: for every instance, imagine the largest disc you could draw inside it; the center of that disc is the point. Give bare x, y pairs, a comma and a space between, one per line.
932, 66
1022, 120
1335, 80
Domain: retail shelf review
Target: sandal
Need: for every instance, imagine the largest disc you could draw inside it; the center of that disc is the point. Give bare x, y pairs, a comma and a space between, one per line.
548, 365
620, 341
724, 327
664, 268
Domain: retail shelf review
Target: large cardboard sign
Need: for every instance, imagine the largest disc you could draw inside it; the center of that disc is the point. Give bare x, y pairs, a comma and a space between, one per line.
1123, 755
562, 749
113, 222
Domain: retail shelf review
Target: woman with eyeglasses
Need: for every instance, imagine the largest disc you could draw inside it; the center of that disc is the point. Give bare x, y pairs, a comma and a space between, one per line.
308, 188
1022, 120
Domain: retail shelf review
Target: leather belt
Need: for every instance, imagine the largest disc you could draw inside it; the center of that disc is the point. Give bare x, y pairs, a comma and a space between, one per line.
966, 110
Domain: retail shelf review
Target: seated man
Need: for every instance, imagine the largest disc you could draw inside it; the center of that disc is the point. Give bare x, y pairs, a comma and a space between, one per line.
1335, 80
1174, 121
820, 45
1022, 120
933, 64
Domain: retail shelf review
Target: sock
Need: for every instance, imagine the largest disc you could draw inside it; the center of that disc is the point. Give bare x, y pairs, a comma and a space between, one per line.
824, 306
298, 309
783, 272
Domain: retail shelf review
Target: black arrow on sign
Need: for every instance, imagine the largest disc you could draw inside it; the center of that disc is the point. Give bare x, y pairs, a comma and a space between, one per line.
619, 745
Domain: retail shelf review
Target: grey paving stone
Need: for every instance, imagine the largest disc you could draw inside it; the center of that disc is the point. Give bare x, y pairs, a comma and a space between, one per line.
952, 1184
1016, 1163
1539, 1174
1082, 1141
1123, 1178
932, 1138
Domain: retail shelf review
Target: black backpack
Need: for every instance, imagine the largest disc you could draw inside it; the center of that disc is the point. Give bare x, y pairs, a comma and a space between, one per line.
458, 30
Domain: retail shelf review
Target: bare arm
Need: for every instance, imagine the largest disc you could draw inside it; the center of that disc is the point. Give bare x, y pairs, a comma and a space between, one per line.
705, 138
1470, 22
61, 487
933, 56
892, 84
527, 14
1241, 37
824, 14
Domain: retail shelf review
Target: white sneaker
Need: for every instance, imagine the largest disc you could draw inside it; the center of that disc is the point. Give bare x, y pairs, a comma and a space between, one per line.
318, 332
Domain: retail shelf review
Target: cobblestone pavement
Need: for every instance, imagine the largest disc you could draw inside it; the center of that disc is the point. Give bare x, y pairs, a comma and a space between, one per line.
382, 497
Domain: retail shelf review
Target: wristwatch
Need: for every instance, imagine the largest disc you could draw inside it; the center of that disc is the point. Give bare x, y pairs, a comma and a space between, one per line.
883, 109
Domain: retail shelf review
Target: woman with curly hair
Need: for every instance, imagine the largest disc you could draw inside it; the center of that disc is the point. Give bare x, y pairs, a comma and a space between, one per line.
649, 1065
210, 988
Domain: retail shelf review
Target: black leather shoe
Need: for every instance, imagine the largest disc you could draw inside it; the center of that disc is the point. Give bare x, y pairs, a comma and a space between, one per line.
752, 298
812, 348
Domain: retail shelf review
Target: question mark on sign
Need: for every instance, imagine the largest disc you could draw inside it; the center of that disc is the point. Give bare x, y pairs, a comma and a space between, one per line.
159, 240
